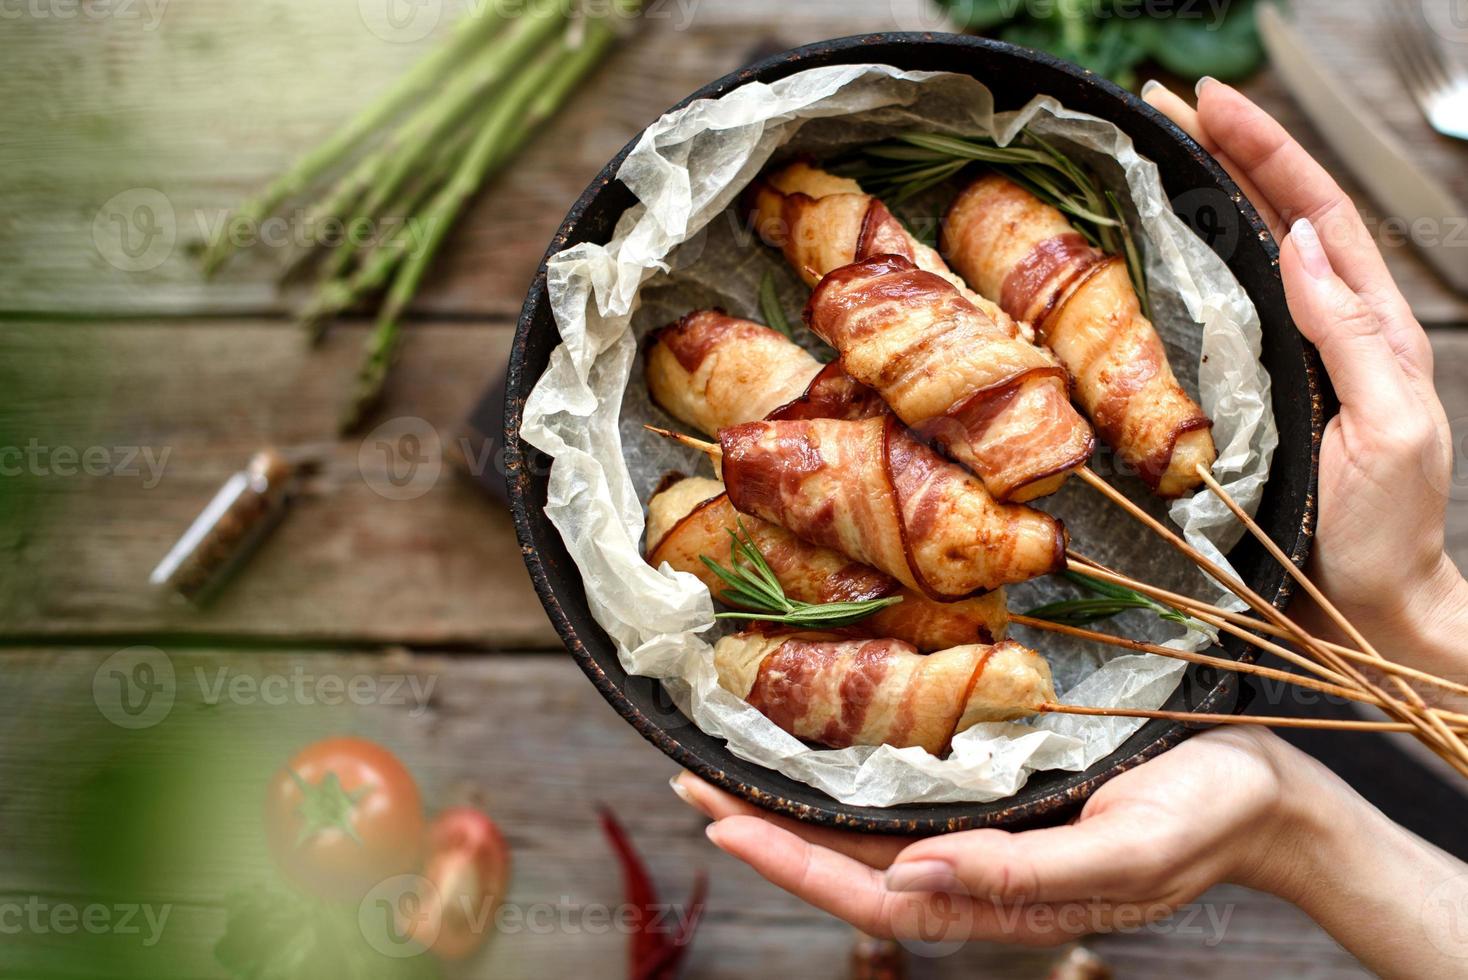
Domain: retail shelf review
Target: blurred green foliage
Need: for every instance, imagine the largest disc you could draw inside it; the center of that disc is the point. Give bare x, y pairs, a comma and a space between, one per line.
1190, 38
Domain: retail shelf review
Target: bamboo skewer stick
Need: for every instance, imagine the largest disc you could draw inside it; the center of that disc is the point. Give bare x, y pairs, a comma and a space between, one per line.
1432, 730
1230, 622
1203, 659
1203, 718
1345, 625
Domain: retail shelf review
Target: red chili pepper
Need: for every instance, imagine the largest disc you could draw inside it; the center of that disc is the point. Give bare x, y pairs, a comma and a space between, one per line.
656, 951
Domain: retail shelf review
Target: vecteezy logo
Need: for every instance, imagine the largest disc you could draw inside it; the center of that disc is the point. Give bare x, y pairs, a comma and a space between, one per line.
401, 21
1213, 216
135, 231
135, 688
396, 917
401, 459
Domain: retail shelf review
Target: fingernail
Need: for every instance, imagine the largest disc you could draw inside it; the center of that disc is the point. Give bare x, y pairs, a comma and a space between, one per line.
1203, 82
682, 792
922, 876
712, 833
1149, 86
1307, 243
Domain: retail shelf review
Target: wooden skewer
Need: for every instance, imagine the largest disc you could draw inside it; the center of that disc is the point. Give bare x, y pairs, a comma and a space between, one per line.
1232, 622
1203, 659
1428, 733
1203, 718
1335, 615
1433, 731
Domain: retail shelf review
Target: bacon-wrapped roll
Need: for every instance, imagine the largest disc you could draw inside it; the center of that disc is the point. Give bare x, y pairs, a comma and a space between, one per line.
870, 490
693, 518
992, 401
821, 222
1020, 251
710, 370
840, 692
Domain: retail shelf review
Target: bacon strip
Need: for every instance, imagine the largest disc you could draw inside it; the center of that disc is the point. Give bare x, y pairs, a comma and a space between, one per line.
810, 573
1015, 248
870, 490
822, 222
710, 370
991, 401
842, 692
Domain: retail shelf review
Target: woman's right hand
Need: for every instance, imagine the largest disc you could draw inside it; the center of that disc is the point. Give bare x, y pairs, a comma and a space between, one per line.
1386, 460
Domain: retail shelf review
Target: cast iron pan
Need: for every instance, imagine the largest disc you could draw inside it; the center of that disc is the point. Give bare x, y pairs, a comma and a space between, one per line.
1203, 195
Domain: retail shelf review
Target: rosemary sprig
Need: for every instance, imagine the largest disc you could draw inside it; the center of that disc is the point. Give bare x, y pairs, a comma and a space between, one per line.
915, 162
770, 309
1107, 600
752, 585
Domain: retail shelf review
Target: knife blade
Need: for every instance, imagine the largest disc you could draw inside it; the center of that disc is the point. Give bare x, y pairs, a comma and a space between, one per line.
1373, 155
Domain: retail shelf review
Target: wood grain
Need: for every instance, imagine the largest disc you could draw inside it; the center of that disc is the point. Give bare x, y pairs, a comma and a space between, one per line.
524, 736
357, 559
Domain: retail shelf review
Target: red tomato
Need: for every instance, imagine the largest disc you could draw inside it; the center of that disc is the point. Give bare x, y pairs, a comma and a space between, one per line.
469, 868
342, 816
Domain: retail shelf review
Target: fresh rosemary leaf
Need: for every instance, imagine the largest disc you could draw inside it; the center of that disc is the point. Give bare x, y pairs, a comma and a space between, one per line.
752, 585
915, 162
770, 308
1108, 599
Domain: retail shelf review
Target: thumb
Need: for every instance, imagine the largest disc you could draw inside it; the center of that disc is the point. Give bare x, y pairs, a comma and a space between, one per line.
1075, 862
1352, 342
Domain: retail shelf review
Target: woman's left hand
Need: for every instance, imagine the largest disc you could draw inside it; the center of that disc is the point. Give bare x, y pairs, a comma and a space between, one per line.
1147, 842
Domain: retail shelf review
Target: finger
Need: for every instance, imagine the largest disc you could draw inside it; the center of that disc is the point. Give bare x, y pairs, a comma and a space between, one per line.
856, 894
870, 849
1172, 105
1075, 862
830, 881
1298, 187
1362, 366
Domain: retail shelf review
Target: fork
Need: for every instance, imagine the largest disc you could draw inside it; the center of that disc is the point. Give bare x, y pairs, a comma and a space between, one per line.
1437, 83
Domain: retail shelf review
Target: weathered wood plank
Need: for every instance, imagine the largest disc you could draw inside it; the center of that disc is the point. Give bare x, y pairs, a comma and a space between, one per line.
524, 736
194, 113
433, 561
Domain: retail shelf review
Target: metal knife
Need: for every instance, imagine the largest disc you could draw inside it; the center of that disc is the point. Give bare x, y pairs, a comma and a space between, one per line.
1377, 159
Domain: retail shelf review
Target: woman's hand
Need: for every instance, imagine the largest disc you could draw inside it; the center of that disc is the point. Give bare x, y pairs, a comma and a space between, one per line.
1214, 809
1236, 805
1386, 462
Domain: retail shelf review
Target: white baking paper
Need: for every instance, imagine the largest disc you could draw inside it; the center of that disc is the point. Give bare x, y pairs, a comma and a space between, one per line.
685, 246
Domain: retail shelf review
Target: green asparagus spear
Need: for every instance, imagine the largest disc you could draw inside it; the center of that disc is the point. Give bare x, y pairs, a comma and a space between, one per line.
421, 78
531, 99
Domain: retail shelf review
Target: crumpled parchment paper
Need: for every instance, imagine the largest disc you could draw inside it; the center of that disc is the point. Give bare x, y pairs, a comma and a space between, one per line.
685, 246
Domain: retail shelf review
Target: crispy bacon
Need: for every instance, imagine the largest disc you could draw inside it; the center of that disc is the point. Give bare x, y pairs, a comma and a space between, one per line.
992, 401
1015, 248
842, 692
810, 573
870, 490
822, 222
710, 370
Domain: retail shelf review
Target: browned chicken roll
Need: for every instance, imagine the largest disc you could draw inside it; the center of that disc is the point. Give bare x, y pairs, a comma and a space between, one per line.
1023, 253
973, 387
821, 222
842, 692
693, 518
870, 490
710, 370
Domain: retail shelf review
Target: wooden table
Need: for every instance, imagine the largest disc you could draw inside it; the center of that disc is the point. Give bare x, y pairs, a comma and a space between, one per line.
177, 113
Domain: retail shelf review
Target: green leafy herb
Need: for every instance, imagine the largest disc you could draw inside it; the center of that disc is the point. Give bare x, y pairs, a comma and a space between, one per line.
1107, 600
1112, 37
914, 162
752, 584
770, 309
